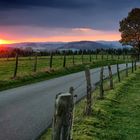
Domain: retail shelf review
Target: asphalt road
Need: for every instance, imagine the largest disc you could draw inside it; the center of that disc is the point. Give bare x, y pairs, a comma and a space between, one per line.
26, 111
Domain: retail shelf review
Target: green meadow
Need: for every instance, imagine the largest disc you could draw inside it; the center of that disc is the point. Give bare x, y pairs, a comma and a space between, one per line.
25, 74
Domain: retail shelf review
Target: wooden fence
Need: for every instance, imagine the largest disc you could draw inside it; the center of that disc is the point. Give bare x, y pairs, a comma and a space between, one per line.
37, 63
65, 103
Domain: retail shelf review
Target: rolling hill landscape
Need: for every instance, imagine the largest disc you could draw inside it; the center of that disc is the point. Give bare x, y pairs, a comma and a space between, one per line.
69, 70
79, 45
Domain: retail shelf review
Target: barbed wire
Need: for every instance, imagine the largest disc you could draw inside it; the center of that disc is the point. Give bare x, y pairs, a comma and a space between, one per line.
79, 85
92, 73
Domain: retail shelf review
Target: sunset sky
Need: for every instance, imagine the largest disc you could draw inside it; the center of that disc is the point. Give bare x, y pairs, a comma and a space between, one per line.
62, 20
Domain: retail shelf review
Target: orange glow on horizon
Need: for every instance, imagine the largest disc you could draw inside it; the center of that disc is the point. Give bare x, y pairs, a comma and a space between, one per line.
2, 41
113, 37
69, 38
88, 38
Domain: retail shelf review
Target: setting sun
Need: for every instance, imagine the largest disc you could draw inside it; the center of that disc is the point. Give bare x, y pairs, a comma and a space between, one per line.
4, 41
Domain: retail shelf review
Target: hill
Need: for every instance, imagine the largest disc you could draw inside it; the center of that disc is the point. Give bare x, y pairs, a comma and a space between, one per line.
115, 44
78, 45
85, 45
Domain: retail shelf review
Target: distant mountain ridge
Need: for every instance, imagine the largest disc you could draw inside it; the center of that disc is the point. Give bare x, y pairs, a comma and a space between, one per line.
37, 46
85, 45
77, 45
115, 44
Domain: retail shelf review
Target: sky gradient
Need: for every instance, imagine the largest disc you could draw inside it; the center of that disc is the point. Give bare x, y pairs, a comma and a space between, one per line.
62, 20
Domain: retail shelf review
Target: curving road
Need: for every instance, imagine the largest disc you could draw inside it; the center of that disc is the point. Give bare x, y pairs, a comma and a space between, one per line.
26, 111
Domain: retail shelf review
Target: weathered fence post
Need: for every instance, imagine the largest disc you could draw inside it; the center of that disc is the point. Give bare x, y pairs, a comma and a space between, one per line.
73, 59
127, 57
88, 109
135, 65
110, 77
118, 73
126, 69
82, 57
132, 66
62, 120
35, 63
90, 59
123, 56
118, 56
107, 56
138, 56
96, 55
74, 98
7, 56
51, 59
102, 55
101, 83
64, 60
16, 66
112, 56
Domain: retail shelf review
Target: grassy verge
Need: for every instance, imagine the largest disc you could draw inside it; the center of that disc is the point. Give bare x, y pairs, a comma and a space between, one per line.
45, 75
114, 118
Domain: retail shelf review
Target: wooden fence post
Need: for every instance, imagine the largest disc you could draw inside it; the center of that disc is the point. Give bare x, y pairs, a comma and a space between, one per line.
51, 59
90, 59
138, 57
82, 57
74, 97
110, 77
35, 63
123, 56
62, 120
88, 109
101, 83
118, 73
135, 65
126, 69
127, 57
64, 60
96, 55
112, 56
7, 56
102, 55
118, 56
16, 66
73, 59
132, 66
107, 56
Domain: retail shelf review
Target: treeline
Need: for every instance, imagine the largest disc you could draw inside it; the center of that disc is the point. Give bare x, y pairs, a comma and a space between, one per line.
11, 52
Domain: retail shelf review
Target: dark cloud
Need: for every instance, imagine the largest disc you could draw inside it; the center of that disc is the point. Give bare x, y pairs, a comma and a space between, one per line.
96, 14
47, 3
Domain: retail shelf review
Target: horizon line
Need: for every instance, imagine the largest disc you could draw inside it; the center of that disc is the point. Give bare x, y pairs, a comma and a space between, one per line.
57, 41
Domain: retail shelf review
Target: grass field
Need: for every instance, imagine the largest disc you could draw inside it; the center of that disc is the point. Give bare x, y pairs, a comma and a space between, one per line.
25, 74
114, 118
26, 64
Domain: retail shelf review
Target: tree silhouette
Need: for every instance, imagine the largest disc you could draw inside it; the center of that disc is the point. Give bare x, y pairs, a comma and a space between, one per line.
130, 29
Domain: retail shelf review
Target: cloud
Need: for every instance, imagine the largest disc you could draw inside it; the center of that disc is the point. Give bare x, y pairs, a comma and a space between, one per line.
84, 30
25, 34
48, 3
94, 14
